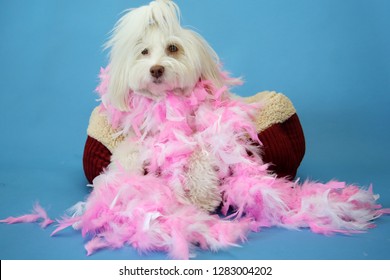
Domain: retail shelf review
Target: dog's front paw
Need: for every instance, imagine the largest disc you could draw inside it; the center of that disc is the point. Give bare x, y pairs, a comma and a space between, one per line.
202, 182
127, 156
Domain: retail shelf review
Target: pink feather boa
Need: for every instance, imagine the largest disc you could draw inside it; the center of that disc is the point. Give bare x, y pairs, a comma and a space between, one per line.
149, 213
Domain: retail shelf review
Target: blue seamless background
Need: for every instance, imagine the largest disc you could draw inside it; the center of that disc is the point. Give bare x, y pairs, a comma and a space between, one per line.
331, 58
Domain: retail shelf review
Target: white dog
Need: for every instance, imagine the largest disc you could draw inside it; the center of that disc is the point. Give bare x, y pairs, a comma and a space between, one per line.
151, 54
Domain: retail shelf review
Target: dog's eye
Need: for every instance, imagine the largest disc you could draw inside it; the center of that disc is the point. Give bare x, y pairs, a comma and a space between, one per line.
145, 52
172, 48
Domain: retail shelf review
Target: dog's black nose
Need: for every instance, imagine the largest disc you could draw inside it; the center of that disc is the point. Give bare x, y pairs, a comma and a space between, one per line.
157, 71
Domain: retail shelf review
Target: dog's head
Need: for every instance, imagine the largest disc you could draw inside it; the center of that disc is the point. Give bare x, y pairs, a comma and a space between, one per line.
151, 54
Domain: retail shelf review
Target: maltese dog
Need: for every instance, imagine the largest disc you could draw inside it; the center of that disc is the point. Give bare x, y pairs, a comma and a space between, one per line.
152, 55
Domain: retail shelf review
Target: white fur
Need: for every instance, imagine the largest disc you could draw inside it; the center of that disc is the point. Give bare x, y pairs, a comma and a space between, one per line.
127, 156
149, 28
202, 181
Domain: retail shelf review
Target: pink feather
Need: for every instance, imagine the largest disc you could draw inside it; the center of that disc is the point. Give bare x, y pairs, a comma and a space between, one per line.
38, 213
150, 213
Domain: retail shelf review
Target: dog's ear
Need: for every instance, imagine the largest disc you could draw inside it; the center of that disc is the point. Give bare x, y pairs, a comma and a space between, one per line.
124, 35
208, 60
118, 89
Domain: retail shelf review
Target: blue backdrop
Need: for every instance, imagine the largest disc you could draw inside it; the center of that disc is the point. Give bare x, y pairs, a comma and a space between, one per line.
330, 57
